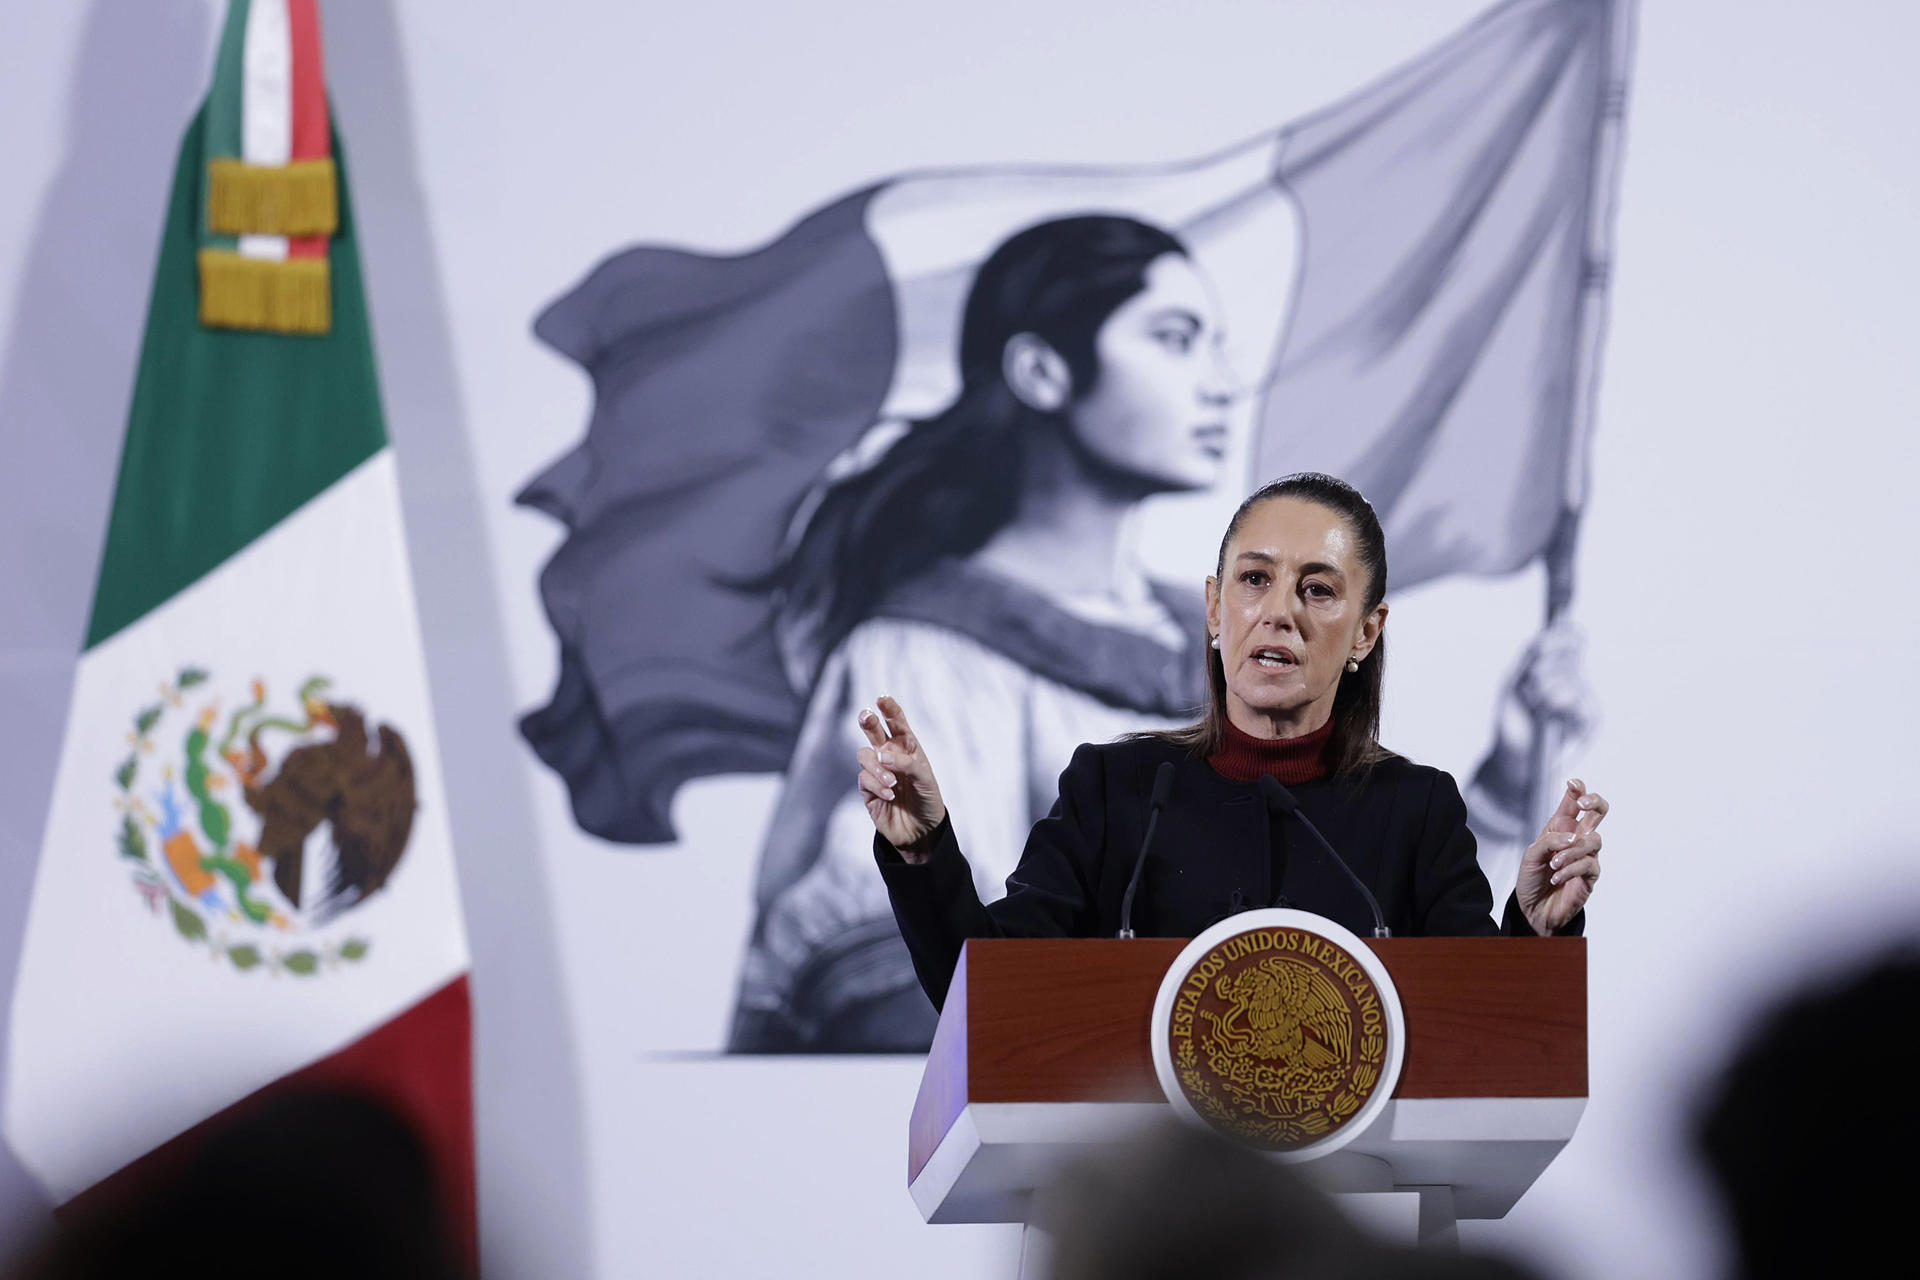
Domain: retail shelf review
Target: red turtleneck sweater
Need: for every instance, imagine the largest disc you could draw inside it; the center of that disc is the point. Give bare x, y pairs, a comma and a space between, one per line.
1291, 761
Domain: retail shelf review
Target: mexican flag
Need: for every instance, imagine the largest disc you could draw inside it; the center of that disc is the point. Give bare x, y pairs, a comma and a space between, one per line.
247, 878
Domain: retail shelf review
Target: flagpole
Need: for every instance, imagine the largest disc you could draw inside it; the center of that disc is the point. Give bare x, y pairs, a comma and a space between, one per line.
1549, 734
1609, 131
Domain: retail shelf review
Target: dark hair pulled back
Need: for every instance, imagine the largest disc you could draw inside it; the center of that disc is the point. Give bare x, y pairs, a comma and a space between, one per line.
952, 481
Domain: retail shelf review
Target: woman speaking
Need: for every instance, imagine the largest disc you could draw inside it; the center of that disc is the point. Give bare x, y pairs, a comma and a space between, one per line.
1296, 616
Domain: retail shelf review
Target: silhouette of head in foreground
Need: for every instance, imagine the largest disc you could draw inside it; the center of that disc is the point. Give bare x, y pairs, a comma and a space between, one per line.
1180, 1202
297, 1187
1811, 1132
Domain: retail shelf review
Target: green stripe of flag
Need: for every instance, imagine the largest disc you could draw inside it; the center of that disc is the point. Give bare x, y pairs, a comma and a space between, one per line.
230, 431
225, 104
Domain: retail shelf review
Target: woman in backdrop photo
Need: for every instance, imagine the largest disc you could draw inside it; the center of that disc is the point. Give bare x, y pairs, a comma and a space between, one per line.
1296, 617
976, 565
979, 567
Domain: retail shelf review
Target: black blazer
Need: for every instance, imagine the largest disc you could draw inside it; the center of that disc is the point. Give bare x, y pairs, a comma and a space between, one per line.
1402, 828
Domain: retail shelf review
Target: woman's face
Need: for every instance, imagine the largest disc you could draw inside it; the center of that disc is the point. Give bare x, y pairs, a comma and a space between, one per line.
1290, 610
1158, 410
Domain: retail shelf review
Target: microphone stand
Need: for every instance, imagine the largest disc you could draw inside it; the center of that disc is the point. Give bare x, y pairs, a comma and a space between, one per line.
1162, 789
1283, 800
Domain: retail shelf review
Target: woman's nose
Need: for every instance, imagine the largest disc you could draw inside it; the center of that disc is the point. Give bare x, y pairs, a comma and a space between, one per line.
1220, 386
1276, 611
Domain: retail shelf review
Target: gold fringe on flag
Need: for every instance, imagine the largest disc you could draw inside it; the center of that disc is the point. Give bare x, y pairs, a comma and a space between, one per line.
294, 295
297, 199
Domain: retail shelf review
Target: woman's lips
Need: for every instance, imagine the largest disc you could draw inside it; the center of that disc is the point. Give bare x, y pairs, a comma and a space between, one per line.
1275, 658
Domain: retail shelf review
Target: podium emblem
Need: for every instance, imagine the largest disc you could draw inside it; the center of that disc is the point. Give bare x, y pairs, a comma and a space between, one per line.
1280, 1029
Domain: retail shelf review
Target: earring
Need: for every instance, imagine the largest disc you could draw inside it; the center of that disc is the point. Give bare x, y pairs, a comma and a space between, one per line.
1215, 642
1353, 664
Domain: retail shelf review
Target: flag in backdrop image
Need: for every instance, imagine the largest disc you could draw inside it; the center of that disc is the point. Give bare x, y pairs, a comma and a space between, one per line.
1411, 280
247, 878
801, 459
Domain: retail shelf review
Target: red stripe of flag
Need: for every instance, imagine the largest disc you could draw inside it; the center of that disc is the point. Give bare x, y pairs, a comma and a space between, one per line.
310, 125
419, 1063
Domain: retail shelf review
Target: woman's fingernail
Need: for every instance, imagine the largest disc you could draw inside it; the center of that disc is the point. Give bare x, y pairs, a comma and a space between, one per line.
890, 796
1556, 859
1555, 880
892, 781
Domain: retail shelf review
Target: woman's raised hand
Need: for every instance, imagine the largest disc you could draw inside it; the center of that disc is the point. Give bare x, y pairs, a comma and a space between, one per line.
897, 783
1558, 871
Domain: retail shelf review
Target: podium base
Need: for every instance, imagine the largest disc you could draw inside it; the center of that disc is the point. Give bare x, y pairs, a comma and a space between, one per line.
1391, 1217
1390, 1208
1488, 1151
1036, 1253
1404, 1216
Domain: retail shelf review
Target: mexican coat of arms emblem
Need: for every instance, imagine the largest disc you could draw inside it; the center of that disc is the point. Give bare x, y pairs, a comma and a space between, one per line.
1277, 1032
254, 828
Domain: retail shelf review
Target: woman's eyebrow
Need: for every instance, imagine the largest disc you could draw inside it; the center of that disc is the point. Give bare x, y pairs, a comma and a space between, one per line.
1310, 567
1176, 315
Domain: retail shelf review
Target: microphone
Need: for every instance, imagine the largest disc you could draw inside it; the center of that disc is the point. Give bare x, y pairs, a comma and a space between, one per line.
1281, 800
1162, 789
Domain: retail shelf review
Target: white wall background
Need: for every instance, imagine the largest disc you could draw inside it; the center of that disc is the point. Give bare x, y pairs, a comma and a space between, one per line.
1743, 575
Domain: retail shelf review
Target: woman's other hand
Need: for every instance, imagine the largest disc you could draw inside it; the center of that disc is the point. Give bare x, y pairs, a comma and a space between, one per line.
1558, 871
897, 783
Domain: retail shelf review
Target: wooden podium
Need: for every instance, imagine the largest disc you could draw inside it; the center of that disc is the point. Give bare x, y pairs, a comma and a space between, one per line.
1043, 1051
